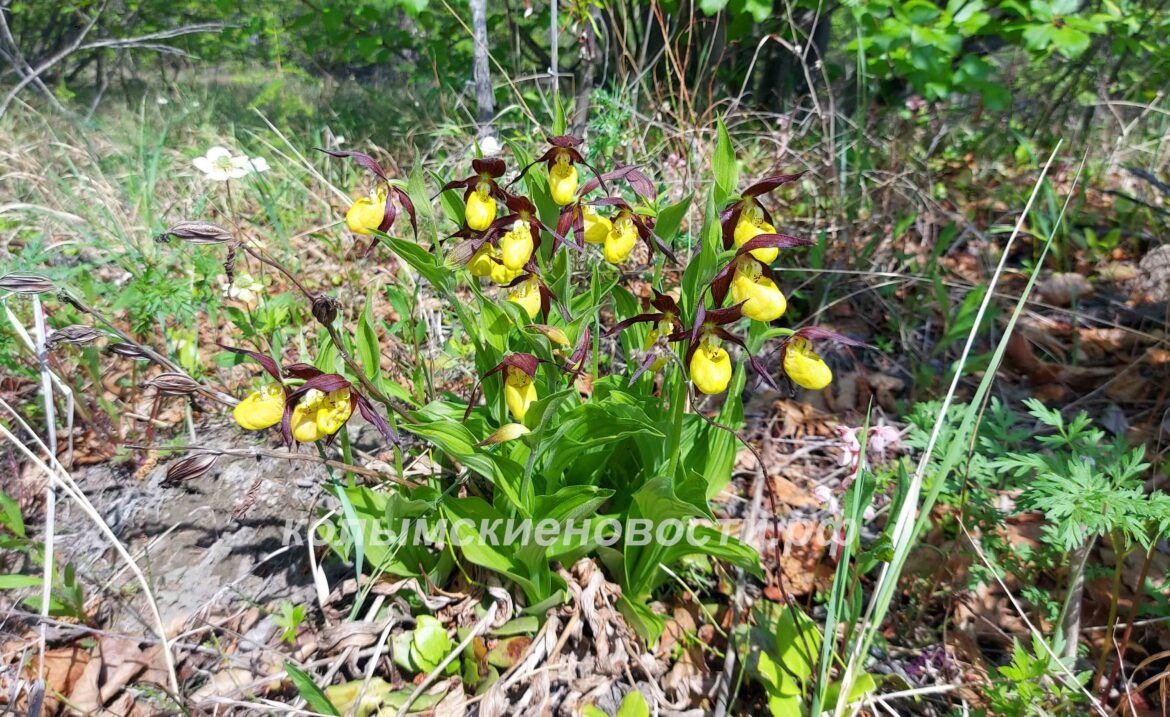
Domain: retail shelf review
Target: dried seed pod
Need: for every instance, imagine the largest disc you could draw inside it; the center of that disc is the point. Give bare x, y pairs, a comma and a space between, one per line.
172, 383
190, 467
229, 264
325, 309
128, 350
196, 233
75, 335
26, 284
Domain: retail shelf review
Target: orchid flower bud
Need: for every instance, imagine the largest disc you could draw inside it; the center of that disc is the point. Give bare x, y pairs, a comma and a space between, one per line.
519, 392
710, 367
261, 409
480, 210
652, 337
805, 366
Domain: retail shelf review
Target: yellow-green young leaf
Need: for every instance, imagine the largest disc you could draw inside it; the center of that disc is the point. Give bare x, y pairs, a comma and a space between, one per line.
505, 433
864, 685
633, 705
430, 638
785, 706
344, 696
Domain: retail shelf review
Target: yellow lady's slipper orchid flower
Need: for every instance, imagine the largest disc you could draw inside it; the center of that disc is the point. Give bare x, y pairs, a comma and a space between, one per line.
527, 295
710, 367
480, 211
764, 300
620, 241
481, 261
516, 246
367, 213
597, 227
261, 409
751, 224
335, 410
562, 181
320, 414
805, 366
652, 337
501, 274
519, 392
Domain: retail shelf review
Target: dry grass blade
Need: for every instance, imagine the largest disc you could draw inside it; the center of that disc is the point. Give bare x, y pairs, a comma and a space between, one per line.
61, 478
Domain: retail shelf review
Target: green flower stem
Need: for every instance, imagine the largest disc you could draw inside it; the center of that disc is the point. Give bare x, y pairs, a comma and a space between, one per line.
678, 406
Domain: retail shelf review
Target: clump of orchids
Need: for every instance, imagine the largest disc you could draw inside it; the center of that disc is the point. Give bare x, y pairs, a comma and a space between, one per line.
500, 241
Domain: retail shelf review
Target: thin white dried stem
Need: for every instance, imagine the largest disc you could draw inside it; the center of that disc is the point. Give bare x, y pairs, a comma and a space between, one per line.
42, 354
63, 480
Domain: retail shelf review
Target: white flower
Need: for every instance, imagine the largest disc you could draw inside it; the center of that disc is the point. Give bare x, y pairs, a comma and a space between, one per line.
162, 100
245, 288
489, 145
220, 165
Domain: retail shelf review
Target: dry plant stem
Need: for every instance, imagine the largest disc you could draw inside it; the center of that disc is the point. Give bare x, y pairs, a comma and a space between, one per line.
149, 352
1111, 620
62, 387
1068, 676
286, 455
61, 477
42, 353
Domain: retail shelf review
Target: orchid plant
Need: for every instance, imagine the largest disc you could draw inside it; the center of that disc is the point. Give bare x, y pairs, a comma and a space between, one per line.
591, 403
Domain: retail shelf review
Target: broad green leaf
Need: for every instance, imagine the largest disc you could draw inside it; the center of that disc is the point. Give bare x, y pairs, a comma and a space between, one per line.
367, 342
670, 219
725, 169
430, 638
309, 691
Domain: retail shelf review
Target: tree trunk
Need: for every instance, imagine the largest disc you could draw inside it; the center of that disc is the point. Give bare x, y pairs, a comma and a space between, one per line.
589, 58
485, 99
